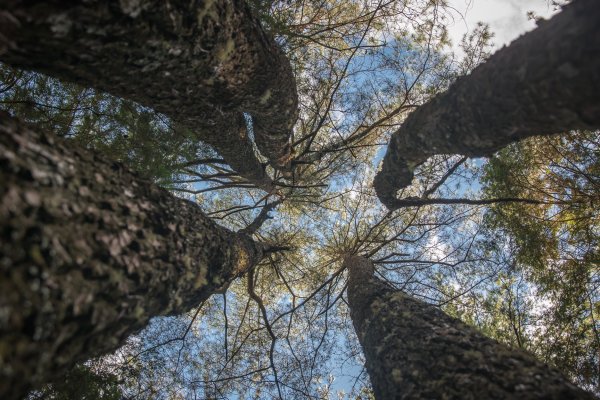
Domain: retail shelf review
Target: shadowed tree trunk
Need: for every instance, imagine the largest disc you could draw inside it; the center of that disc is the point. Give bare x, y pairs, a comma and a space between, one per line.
228, 134
201, 63
89, 252
547, 81
413, 350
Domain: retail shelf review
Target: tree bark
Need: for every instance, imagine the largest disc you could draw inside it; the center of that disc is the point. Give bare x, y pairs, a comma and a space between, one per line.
229, 136
198, 62
89, 252
413, 350
547, 81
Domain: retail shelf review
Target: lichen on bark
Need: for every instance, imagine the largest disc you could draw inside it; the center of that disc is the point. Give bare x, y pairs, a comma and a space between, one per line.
413, 350
89, 252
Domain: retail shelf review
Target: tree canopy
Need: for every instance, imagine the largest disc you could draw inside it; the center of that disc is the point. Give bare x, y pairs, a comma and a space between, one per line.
510, 245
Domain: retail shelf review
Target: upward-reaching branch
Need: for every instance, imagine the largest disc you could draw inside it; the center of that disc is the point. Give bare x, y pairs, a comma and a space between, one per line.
194, 61
260, 219
547, 81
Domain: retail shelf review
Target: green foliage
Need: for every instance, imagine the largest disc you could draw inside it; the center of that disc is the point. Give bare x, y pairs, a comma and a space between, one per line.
560, 235
121, 130
82, 383
553, 245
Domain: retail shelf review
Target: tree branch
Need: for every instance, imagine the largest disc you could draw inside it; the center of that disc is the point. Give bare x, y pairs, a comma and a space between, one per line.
545, 82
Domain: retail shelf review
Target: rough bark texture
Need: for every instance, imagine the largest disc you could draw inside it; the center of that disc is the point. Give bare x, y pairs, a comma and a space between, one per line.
89, 252
547, 81
413, 350
198, 62
231, 128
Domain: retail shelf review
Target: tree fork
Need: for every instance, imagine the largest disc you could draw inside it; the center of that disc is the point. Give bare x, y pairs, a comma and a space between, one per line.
89, 252
413, 350
197, 62
545, 82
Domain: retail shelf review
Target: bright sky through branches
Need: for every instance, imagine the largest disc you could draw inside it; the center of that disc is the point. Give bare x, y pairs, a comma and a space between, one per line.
507, 18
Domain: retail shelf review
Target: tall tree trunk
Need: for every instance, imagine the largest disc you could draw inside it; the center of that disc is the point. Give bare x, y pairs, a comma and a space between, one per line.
547, 81
89, 252
229, 136
198, 62
415, 351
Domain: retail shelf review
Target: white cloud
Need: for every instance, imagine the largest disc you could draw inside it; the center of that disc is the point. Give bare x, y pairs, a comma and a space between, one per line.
507, 18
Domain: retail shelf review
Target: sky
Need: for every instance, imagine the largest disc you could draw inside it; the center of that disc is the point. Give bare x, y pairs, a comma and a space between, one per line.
507, 18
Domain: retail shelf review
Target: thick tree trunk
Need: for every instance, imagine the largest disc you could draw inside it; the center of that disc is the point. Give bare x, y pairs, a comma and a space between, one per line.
229, 136
198, 62
89, 253
547, 81
416, 351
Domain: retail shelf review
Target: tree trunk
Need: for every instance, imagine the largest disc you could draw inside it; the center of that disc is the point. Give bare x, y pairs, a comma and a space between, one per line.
547, 81
198, 62
413, 350
89, 252
229, 136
